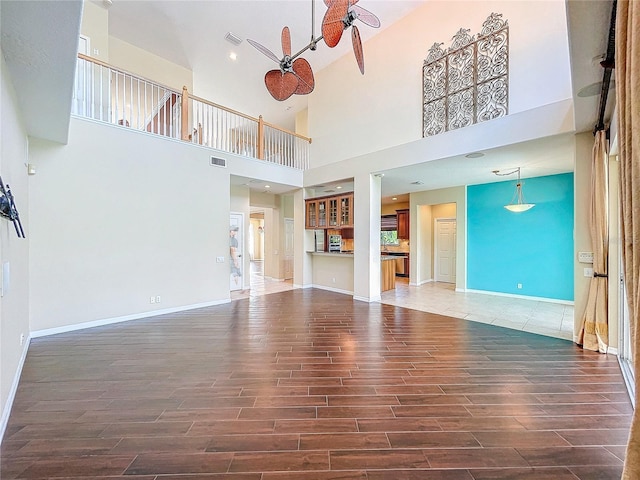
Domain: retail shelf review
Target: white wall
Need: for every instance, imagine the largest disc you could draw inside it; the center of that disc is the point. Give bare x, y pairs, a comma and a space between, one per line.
423, 221
349, 114
333, 272
148, 65
95, 25
120, 216
14, 251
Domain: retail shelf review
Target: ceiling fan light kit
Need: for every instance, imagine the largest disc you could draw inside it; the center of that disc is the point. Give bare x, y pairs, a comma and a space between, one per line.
295, 75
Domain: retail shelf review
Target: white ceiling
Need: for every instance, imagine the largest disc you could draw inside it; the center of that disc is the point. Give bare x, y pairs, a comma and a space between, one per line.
191, 33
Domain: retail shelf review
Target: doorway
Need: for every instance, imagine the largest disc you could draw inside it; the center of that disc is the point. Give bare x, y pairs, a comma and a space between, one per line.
445, 250
236, 251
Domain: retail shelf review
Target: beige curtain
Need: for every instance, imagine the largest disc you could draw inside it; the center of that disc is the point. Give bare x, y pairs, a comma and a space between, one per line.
594, 332
628, 104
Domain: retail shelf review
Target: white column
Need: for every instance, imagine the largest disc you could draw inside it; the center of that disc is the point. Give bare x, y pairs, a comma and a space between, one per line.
303, 243
366, 261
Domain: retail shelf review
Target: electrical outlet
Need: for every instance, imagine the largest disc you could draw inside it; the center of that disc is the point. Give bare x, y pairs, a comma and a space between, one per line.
219, 259
519, 286
158, 299
588, 272
152, 300
333, 280
21, 339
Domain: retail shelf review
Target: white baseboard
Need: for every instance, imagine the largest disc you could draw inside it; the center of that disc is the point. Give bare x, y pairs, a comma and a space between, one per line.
412, 284
124, 318
523, 297
4, 420
308, 285
612, 351
376, 299
331, 289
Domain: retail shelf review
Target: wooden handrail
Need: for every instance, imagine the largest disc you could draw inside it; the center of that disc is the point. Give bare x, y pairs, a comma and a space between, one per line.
186, 135
221, 107
284, 130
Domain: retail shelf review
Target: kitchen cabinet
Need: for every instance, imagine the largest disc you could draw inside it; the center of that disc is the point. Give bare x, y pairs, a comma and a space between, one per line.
329, 212
346, 210
311, 214
316, 213
403, 224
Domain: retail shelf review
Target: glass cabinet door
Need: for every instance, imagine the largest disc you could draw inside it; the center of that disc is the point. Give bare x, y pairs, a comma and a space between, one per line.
312, 214
346, 213
334, 219
322, 213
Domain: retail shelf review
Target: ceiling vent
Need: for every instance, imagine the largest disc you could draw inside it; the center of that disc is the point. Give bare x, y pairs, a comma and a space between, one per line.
233, 38
417, 182
218, 162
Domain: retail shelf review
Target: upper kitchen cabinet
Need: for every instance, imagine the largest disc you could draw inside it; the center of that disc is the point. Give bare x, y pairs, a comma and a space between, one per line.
403, 223
346, 210
329, 212
316, 213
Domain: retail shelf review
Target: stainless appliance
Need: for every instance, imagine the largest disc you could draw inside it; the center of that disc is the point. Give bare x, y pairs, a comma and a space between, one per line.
319, 236
335, 243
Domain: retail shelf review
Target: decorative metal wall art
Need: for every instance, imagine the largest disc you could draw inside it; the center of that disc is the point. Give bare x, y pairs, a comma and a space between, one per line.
468, 82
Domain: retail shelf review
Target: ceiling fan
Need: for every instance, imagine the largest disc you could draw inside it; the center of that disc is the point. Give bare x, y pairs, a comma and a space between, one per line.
295, 75
340, 15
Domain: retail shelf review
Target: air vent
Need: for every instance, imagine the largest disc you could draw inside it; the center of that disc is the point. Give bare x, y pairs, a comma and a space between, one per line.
418, 182
329, 191
218, 162
233, 38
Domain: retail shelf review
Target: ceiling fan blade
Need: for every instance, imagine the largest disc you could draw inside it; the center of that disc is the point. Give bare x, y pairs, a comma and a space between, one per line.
366, 17
357, 48
286, 42
332, 25
280, 85
264, 50
302, 70
329, 2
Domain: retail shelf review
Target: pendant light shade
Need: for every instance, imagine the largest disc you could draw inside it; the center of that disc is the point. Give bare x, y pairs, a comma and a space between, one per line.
518, 203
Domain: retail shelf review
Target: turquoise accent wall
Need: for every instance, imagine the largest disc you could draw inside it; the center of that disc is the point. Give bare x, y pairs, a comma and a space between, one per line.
534, 248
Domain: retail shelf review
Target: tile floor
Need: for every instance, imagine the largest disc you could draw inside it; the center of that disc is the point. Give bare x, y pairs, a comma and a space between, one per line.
545, 318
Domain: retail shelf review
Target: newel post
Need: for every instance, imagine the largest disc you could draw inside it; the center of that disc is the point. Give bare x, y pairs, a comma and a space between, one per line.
260, 138
184, 114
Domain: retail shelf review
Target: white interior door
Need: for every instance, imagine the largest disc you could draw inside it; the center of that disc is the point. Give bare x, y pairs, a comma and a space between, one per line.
236, 251
288, 248
445, 250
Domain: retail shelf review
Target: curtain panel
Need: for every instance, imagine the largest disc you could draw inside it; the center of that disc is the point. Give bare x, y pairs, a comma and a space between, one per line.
594, 333
627, 73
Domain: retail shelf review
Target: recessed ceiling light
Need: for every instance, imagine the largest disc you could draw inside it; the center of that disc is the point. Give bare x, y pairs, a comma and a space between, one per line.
339, 187
267, 186
233, 56
475, 155
394, 198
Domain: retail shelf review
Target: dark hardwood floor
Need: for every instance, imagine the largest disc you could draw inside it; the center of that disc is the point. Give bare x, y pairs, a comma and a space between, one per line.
311, 385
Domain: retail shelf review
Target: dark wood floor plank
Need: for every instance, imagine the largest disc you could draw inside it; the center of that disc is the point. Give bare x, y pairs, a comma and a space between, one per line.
312, 385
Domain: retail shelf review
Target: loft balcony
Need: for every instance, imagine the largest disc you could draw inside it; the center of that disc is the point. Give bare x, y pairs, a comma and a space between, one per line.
112, 95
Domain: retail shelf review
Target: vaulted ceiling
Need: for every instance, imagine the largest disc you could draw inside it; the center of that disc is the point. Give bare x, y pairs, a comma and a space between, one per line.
38, 42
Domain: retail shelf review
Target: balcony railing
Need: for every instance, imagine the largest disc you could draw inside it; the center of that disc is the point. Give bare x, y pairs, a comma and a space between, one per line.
111, 95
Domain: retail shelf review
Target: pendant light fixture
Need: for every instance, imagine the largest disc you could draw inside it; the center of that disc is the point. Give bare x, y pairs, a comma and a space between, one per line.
518, 203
